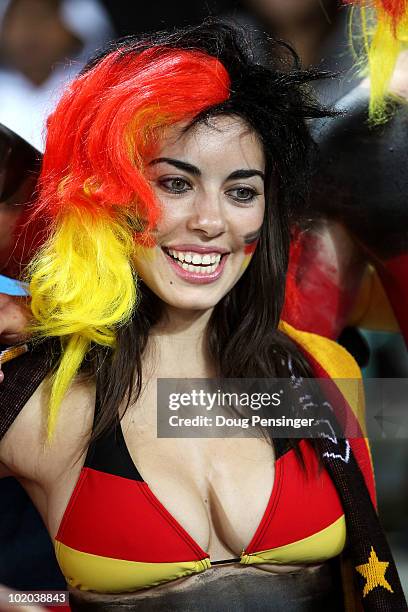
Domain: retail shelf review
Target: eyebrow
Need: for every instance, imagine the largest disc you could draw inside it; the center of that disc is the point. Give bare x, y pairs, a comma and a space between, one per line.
178, 164
242, 174
181, 165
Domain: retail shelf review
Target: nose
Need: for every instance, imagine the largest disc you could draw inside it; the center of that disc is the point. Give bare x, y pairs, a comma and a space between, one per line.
208, 215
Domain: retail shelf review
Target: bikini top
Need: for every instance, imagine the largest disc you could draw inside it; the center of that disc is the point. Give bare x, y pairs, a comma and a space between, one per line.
116, 536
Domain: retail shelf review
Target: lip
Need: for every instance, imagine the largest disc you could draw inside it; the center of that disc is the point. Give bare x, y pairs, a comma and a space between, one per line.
195, 248
196, 278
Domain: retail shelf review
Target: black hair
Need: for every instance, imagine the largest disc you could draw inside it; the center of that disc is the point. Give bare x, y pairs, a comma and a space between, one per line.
243, 338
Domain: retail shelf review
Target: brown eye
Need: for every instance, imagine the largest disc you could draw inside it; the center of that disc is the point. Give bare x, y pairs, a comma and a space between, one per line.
175, 185
243, 194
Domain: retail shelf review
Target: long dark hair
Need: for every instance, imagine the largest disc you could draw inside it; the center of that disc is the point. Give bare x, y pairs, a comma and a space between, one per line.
242, 338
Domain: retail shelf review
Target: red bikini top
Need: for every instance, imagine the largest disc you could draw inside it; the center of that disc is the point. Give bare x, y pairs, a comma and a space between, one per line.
116, 536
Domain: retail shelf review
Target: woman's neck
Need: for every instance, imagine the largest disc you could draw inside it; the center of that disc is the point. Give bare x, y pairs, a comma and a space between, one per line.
182, 325
178, 344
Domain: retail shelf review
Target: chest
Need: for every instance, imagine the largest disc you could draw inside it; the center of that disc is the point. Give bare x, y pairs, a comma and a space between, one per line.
216, 489
193, 498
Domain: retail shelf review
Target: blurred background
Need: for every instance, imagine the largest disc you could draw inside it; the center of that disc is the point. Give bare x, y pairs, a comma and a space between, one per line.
43, 45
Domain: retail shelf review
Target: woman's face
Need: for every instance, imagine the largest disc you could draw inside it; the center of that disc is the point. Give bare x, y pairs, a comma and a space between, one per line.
210, 182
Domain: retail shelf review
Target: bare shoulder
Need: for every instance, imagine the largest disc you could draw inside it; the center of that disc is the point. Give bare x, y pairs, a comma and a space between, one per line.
24, 451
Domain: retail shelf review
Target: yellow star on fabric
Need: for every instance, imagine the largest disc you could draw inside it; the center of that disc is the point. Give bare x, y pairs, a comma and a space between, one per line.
373, 572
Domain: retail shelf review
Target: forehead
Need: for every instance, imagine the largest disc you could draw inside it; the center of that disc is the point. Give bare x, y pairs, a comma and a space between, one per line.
221, 141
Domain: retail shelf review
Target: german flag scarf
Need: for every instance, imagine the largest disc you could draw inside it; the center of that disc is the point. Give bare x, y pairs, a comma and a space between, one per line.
370, 578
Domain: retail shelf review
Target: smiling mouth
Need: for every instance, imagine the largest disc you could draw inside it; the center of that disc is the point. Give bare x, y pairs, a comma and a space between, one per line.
197, 263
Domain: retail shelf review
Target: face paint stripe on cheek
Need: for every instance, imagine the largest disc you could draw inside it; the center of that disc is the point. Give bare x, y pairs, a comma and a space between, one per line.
250, 248
251, 240
252, 236
245, 262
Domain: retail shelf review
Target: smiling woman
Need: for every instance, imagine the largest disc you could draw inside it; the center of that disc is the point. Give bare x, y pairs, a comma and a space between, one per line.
173, 167
109, 217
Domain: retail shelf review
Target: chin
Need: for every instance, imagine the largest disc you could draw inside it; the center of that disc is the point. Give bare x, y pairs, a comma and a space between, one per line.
191, 304
187, 297
183, 298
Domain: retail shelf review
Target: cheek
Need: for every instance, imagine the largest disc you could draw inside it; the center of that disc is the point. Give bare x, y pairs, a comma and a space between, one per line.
249, 250
170, 218
245, 223
251, 243
251, 238
173, 217
148, 261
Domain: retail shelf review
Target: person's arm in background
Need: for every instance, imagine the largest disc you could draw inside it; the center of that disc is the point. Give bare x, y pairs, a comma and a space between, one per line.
20, 165
14, 316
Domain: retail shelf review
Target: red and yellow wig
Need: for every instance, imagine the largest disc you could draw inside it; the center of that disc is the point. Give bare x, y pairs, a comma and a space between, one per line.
94, 195
385, 34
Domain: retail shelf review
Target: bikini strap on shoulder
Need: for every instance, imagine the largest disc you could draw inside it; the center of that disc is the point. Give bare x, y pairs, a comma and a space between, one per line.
25, 366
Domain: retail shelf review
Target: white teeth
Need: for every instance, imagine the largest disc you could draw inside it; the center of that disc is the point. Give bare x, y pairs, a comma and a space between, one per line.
198, 269
195, 262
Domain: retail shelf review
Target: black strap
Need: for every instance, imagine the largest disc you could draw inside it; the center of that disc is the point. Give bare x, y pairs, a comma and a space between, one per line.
22, 376
109, 452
